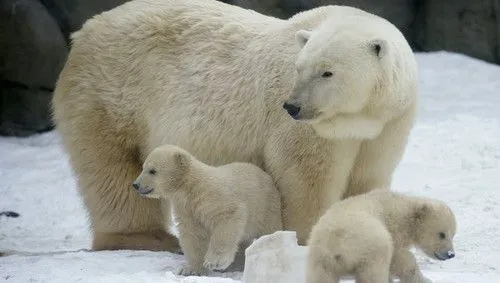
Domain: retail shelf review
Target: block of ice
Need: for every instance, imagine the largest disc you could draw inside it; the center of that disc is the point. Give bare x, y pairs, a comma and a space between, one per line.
275, 258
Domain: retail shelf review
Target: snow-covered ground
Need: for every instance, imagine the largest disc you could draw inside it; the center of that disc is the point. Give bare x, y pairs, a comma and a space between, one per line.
453, 155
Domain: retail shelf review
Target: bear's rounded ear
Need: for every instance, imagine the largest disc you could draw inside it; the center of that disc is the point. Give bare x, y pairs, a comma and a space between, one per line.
378, 47
421, 212
181, 159
302, 36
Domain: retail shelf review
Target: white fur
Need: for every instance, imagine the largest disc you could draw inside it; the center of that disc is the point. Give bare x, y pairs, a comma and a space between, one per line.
374, 76
369, 236
218, 208
212, 78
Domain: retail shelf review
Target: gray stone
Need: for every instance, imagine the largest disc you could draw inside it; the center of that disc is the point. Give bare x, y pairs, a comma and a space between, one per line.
32, 48
76, 12
23, 111
267, 7
469, 27
496, 7
34, 37
399, 12
32, 53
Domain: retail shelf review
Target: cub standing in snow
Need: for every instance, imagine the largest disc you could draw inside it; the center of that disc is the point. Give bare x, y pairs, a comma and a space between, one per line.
217, 208
369, 236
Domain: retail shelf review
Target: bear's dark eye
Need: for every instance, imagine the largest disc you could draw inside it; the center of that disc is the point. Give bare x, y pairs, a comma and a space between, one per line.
327, 74
442, 235
152, 171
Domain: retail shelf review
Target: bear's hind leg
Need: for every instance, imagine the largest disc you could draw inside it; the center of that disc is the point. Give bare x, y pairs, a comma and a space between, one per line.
152, 240
121, 218
106, 164
377, 251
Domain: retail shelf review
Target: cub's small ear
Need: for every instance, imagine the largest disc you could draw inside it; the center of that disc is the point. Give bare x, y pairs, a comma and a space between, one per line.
379, 47
181, 159
421, 212
302, 36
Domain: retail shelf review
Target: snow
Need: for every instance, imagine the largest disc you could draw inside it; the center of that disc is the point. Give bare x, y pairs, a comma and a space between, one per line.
453, 154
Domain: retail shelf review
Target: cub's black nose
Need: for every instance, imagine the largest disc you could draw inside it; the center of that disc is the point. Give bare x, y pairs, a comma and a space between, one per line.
291, 109
445, 255
136, 186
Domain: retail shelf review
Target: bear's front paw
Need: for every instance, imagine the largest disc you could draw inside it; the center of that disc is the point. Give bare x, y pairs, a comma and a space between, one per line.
188, 270
215, 261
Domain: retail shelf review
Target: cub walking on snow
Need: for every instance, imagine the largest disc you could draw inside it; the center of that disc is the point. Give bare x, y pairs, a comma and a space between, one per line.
369, 235
217, 208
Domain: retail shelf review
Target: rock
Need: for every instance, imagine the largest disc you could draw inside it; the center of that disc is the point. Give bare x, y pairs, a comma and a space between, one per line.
267, 7
33, 52
34, 40
275, 258
468, 27
76, 12
496, 7
400, 12
24, 112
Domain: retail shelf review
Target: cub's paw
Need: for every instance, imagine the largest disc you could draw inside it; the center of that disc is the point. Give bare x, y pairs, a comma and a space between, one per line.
424, 279
188, 270
215, 261
421, 279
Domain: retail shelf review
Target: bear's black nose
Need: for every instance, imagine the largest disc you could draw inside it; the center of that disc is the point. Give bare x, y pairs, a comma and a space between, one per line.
291, 109
136, 186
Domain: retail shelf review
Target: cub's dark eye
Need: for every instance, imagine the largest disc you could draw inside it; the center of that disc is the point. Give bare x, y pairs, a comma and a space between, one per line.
442, 236
327, 74
152, 171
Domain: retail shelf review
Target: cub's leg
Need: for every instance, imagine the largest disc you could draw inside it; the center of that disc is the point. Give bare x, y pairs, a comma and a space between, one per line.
404, 265
320, 267
226, 236
373, 274
194, 239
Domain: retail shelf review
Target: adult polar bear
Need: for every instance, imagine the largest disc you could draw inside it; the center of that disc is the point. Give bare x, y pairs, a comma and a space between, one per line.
213, 78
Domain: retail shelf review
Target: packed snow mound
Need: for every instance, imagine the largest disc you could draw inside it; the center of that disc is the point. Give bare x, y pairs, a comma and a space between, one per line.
275, 258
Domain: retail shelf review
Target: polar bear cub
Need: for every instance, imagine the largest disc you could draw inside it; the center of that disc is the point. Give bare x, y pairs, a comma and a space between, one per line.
370, 235
217, 208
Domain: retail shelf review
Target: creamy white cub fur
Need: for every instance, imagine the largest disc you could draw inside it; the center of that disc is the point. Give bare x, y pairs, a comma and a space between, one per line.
369, 235
212, 78
218, 208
